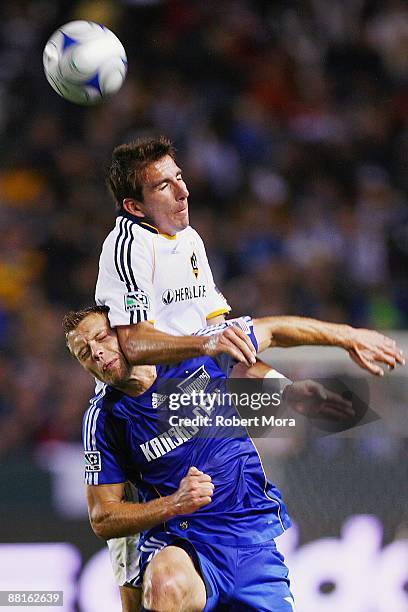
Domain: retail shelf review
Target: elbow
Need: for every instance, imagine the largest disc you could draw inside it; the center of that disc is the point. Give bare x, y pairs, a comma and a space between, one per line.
100, 523
134, 343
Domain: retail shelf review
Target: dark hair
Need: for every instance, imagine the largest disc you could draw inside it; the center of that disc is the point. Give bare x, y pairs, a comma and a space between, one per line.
73, 318
125, 175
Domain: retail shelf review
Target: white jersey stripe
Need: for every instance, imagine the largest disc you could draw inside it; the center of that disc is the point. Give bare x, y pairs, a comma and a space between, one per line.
156, 540
89, 432
93, 433
241, 322
93, 405
88, 417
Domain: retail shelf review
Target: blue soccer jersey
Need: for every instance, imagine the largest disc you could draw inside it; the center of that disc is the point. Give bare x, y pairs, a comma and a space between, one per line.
133, 439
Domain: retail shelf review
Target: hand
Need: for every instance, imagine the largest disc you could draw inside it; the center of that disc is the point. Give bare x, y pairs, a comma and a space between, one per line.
367, 348
232, 341
312, 400
195, 490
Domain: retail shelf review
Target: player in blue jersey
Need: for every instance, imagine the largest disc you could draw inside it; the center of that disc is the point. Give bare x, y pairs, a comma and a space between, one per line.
209, 516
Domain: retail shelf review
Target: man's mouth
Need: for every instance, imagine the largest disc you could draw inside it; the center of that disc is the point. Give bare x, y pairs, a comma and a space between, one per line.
109, 365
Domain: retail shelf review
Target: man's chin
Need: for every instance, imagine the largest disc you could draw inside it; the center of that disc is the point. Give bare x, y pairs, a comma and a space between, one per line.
113, 379
183, 223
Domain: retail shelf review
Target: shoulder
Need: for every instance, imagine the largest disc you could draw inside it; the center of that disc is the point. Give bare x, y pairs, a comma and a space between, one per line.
124, 233
93, 417
104, 404
190, 232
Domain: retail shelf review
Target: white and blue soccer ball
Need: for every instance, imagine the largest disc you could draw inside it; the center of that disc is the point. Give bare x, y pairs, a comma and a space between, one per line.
84, 62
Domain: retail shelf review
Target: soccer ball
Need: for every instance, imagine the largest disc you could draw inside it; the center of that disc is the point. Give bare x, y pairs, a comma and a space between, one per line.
84, 62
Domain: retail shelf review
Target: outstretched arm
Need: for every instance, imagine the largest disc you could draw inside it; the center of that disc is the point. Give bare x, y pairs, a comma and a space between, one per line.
366, 347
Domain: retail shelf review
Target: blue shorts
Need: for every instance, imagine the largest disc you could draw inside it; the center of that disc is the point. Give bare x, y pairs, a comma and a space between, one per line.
241, 579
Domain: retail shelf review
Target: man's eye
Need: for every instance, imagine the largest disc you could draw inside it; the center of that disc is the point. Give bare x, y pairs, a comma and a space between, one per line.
179, 178
163, 187
83, 355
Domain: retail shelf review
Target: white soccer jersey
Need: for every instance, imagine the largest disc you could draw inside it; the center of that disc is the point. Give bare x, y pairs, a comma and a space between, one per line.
148, 276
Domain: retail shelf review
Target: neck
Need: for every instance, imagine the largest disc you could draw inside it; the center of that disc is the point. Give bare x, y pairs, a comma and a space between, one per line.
140, 380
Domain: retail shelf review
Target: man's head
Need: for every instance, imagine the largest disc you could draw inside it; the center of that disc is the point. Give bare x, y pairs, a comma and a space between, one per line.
92, 341
146, 182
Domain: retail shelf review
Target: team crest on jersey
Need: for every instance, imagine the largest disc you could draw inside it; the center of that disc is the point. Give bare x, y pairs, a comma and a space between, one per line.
197, 381
194, 264
93, 461
136, 300
168, 440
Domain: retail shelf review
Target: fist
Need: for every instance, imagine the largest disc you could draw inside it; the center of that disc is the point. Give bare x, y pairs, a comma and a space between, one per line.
195, 490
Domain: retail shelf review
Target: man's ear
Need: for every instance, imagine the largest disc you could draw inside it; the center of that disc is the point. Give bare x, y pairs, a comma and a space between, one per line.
133, 207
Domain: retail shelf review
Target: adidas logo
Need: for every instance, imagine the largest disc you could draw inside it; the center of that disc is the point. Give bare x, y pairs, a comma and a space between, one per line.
158, 399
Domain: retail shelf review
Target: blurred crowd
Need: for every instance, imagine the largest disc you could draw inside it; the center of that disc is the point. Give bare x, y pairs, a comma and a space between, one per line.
290, 122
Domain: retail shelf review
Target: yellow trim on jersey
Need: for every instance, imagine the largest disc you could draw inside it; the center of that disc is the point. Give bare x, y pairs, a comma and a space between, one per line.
217, 313
157, 231
149, 225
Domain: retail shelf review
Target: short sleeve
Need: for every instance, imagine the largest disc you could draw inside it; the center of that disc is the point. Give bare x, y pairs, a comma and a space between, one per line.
225, 361
102, 464
125, 275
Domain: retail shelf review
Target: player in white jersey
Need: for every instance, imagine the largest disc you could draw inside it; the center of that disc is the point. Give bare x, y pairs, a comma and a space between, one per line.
148, 276
154, 274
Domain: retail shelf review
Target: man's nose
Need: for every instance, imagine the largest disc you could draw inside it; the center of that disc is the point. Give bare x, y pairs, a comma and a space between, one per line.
182, 190
97, 352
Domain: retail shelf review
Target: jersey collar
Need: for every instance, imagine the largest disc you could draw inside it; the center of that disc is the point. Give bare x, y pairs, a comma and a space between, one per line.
144, 224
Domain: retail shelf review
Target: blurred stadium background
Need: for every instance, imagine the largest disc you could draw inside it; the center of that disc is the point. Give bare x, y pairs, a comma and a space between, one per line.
290, 120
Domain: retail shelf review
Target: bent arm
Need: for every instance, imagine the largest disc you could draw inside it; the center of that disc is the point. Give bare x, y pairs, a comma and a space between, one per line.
111, 517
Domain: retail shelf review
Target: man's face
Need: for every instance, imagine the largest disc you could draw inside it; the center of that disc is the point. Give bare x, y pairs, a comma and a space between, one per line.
95, 344
165, 196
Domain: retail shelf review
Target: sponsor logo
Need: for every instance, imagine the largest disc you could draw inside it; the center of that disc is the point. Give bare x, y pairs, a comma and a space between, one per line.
194, 264
183, 294
93, 461
136, 300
